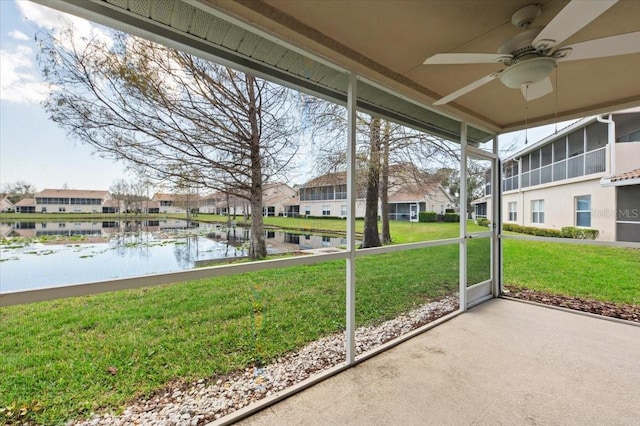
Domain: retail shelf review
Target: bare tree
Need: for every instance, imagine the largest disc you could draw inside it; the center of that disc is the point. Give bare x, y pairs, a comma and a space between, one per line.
16, 191
371, 237
170, 114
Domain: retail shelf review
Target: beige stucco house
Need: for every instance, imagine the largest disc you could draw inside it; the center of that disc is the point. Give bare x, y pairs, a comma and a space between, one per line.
586, 175
277, 197
174, 203
70, 201
6, 205
410, 192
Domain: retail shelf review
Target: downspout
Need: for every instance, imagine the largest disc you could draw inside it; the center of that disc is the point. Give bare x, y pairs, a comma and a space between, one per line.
611, 135
519, 160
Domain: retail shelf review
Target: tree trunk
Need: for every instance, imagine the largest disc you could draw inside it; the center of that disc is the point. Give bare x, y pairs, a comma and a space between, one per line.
226, 195
384, 185
257, 243
371, 238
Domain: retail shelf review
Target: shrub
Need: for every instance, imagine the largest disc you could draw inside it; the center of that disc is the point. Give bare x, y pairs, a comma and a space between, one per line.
483, 221
451, 217
579, 233
323, 217
427, 217
566, 232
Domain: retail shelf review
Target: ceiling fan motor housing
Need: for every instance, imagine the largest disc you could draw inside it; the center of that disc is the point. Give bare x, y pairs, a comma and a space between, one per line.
527, 71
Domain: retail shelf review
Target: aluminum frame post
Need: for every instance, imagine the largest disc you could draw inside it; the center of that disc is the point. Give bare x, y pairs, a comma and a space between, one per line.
463, 216
496, 221
350, 338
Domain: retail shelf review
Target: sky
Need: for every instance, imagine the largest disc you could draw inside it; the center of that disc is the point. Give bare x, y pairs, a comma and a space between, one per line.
32, 147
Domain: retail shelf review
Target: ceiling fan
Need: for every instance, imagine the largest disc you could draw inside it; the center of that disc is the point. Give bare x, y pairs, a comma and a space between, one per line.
531, 55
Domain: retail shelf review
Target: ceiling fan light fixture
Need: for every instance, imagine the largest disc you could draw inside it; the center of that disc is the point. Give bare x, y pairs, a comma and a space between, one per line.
527, 72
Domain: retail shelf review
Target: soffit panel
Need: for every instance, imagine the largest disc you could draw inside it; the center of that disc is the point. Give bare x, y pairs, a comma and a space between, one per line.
194, 27
398, 36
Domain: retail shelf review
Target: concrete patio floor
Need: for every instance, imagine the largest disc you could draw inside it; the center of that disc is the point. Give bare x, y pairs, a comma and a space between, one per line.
503, 362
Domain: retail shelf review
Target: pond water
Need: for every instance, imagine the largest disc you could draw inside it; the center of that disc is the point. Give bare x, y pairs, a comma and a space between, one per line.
51, 254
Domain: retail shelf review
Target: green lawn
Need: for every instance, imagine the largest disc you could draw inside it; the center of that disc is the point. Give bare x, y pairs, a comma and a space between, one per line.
57, 355
602, 273
64, 359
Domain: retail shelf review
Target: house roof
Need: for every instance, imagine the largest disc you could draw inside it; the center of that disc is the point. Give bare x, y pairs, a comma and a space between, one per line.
111, 203
414, 192
277, 193
6, 201
70, 193
313, 44
26, 202
145, 203
327, 179
159, 196
633, 174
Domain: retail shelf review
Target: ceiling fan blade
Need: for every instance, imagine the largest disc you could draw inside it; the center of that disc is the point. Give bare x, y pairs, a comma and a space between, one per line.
466, 89
537, 90
622, 44
576, 15
467, 58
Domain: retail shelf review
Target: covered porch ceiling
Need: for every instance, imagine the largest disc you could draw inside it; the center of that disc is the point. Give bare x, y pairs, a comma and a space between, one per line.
313, 45
388, 41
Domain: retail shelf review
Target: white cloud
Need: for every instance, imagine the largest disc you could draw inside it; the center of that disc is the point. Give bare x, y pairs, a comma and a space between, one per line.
51, 19
18, 35
19, 80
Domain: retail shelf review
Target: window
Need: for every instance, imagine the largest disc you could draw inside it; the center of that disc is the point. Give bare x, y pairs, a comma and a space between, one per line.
61, 209
583, 211
547, 153
525, 163
560, 149
597, 136
535, 159
513, 211
343, 210
326, 210
537, 211
307, 210
576, 143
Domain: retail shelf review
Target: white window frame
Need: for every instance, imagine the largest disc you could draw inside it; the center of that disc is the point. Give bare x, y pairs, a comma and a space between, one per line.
537, 211
307, 210
343, 210
513, 211
582, 211
326, 210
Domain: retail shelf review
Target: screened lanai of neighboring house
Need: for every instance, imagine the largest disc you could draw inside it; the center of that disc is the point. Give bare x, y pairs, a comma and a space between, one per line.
370, 57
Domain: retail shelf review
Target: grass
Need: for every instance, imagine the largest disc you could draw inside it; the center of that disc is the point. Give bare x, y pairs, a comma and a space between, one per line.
601, 273
65, 359
62, 355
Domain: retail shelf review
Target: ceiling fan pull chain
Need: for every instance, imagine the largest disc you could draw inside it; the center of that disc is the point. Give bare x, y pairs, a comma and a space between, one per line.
556, 96
526, 113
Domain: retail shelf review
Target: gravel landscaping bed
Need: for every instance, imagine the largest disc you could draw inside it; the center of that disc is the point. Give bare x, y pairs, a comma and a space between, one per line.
608, 309
209, 399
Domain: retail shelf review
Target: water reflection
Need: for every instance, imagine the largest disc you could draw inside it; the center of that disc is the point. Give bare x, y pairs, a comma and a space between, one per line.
45, 254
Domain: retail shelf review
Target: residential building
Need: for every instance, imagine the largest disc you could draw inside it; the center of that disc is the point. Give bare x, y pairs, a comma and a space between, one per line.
175, 203
586, 175
277, 198
6, 205
26, 205
221, 204
70, 201
410, 192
